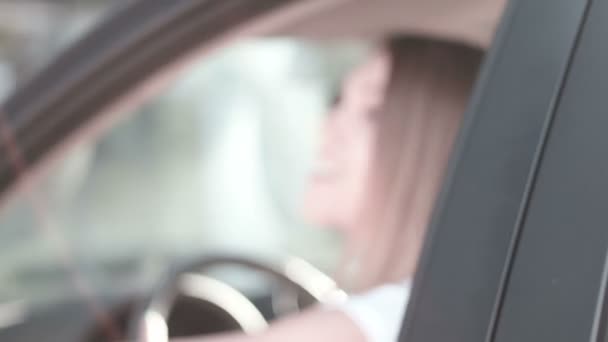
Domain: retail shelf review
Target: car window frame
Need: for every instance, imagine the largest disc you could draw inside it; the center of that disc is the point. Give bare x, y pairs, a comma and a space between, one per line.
556, 289
459, 288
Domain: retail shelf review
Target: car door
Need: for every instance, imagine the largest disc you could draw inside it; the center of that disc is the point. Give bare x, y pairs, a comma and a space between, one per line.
518, 248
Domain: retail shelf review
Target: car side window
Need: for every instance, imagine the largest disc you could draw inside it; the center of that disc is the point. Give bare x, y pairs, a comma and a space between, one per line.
216, 163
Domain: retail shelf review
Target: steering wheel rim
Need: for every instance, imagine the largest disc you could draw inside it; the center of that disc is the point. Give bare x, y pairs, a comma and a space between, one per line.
149, 322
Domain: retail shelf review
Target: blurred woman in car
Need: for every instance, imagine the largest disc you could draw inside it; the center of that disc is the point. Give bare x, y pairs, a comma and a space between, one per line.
385, 148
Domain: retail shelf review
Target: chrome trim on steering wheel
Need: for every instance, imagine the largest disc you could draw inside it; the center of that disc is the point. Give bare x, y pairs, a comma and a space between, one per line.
217, 292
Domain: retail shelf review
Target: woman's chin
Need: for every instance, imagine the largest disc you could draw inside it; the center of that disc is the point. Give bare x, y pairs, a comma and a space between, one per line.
316, 217
322, 208
318, 213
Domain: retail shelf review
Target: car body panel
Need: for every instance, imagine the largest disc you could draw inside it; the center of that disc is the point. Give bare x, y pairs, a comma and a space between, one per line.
555, 289
468, 250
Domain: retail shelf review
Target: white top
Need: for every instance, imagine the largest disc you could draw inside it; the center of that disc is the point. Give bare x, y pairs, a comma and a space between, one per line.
379, 312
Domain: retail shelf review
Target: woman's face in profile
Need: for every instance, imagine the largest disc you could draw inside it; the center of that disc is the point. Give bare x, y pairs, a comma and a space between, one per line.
336, 193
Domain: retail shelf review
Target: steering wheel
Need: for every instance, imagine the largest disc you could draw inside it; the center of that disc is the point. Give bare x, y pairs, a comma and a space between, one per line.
150, 322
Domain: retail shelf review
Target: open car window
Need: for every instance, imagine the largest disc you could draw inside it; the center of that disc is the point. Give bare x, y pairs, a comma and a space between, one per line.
216, 163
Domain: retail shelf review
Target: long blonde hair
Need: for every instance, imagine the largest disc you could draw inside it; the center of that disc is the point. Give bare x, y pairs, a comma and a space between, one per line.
427, 94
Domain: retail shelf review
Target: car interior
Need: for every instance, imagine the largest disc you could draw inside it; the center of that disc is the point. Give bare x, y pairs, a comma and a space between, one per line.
228, 125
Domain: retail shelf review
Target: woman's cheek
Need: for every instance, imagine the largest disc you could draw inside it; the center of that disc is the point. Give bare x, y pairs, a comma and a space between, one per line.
363, 181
